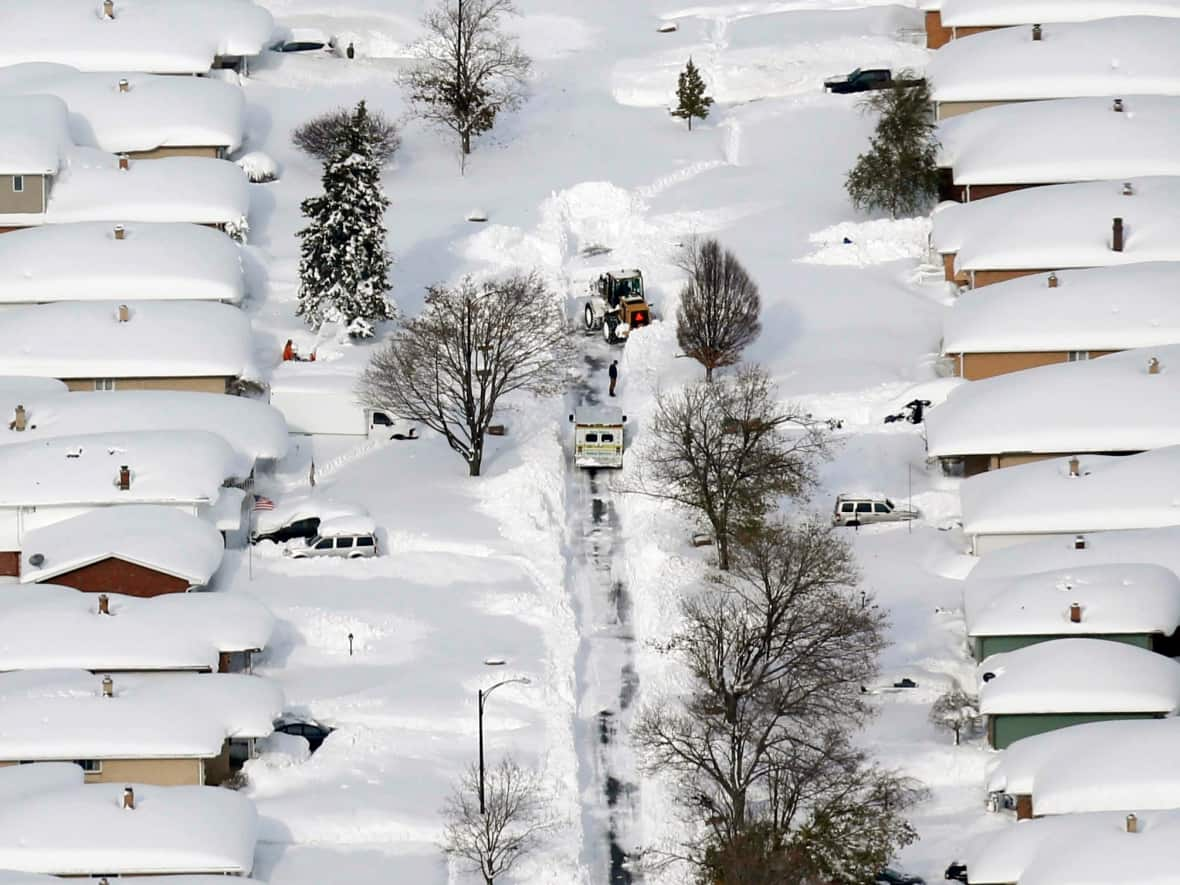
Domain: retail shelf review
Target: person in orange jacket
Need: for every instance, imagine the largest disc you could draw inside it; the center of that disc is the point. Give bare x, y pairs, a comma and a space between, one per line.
289, 351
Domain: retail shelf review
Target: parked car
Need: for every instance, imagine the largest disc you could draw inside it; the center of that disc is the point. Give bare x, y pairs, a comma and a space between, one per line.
890, 876
867, 80
302, 40
300, 528
956, 871
862, 510
296, 518
309, 729
346, 537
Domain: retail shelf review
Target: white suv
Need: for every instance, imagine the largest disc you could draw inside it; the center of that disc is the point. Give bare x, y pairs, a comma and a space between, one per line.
855, 510
349, 537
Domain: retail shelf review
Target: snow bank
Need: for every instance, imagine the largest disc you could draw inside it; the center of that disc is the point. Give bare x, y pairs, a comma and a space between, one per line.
870, 242
36, 134
158, 339
1127, 55
163, 539
153, 112
1000, 13
1079, 676
84, 262
1161, 546
1072, 139
1066, 407
1138, 598
1105, 308
17, 781
18, 389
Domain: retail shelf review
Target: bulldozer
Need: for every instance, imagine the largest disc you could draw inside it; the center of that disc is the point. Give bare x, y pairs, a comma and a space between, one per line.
617, 305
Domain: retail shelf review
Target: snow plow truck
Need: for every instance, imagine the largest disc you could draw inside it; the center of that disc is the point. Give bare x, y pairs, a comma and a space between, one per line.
617, 305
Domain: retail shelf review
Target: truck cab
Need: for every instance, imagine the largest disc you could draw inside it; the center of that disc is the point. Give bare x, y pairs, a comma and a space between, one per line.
598, 436
617, 304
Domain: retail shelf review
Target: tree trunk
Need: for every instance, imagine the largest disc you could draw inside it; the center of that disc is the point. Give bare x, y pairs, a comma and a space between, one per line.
473, 464
722, 550
708, 374
690, 122
956, 735
466, 140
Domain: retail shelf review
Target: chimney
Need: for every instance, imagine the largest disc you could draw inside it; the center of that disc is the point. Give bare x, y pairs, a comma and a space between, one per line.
1074, 466
20, 419
129, 798
1117, 107
1132, 823
124, 482
104, 604
124, 313
120, 232
1052, 281
124, 86
124, 162
1128, 189
1153, 366
108, 9
1079, 542
1116, 242
108, 687
1075, 613
1036, 33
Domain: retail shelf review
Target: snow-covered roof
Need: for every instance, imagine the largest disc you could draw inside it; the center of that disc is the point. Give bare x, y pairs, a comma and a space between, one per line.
1079, 676
225, 514
80, 830
1110, 56
17, 389
1161, 546
36, 134
160, 36
159, 339
50, 627
153, 111
598, 415
1097, 766
21, 780
1112, 493
63, 714
1063, 225
1069, 139
84, 262
167, 467
1139, 598
1111, 404
163, 539
1096, 309
1001, 13
253, 428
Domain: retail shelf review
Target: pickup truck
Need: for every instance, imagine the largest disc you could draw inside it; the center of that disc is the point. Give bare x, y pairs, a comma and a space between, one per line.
866, 80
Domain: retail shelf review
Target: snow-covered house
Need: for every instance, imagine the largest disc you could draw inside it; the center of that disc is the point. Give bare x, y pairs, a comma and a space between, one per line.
1085, 224
132, 830
1099, 766
1071, 498
1127, 55
32, 143
150, 345
948, 20
1064, 317
141, 115
1138, 604
1064, 682
1120, 404
154, 36
54, 627
140, 550
1161, 546
124, 263
1015, 146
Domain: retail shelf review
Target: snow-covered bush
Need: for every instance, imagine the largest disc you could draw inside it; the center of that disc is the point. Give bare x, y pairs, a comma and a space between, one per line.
239, 231
259, 167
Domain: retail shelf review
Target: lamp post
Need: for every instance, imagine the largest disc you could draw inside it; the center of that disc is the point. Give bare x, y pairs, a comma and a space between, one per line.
483, 696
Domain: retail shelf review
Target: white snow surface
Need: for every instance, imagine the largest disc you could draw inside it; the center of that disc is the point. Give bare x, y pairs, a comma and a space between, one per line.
1063, 140
163, 539
14, 389
346, 525
155, 111
1160, 546
84, 262
1079, 675
77, 831
54, 627
297, 507
1065, 407
1137, 598
167, 467
160, 339
36, 135
160, 36
1062, 226
1000, 13
256, 431
17, 781
1126, 55
1095, 309
51, 715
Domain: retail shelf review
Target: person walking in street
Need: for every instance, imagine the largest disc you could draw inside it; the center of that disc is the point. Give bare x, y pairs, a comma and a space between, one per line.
613, 371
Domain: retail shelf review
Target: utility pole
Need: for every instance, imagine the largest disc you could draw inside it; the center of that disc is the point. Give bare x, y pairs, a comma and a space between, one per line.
483, 696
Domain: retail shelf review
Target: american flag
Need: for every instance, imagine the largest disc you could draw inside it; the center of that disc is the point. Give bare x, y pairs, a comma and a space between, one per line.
261, 503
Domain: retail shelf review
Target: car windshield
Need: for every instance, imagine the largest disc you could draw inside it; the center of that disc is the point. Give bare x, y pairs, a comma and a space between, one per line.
888, 503
855, 73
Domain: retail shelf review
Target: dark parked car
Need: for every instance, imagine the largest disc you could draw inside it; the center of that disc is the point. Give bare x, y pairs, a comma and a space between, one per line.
890, 876
308, 729
305, 528
957, 872
866, 80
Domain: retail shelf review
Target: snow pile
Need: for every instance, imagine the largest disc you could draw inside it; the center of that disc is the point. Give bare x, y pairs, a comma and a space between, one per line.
1071, 139
36, 135
259, 167
865, 243
1161, 546
18, 389
1113, 56
85, 262
1079, 676
1104, 308
162, 539
17, 781
1001, 13
149, 339
1067, 407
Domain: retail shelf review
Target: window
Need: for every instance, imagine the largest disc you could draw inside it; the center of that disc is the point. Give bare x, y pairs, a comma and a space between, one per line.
1077, 356
324, 544
380, 419
591, 437
104, 383
847, 507
880, 508
364, 541
18, 184
608, 437
864, 507
90, 766
343, 543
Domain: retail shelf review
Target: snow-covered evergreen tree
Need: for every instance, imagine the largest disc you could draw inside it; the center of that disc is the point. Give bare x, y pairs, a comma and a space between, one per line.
344, 265
690, 95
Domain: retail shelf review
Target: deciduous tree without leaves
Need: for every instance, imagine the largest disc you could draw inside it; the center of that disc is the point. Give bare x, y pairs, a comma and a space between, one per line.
691, 100
449, 368
322, 136
956, 711
719, 307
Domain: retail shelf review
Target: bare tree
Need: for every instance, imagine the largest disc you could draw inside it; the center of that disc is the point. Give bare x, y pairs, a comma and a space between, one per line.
515, 817
321, 137
728, 451
956, 711
450, 367
468, 70
719, 307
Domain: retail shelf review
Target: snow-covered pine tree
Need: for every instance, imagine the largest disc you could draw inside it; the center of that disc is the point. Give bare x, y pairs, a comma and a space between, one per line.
344, 265
690, 95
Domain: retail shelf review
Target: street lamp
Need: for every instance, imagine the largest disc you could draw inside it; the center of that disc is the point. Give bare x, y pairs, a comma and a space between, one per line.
483, 696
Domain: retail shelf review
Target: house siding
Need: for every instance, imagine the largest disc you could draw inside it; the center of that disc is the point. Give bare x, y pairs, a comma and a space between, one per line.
9, 563
114, 575
958, 33
158, 772
937, 36
214, 152
993, 645
973, 193
980, 278
31, 200
977, 366
1004, 729
944, 110
199, 385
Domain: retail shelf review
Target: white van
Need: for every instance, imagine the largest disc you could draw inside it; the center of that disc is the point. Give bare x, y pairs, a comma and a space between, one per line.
598, 436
